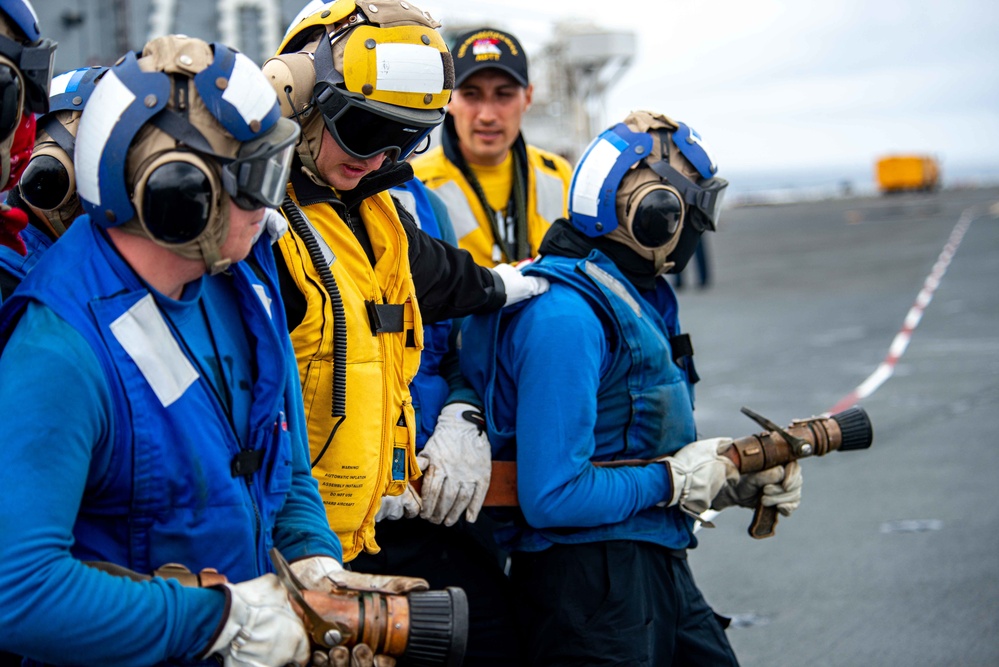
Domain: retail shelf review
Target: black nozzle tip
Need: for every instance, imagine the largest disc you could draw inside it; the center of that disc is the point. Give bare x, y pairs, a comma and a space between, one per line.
856, 428
438, 628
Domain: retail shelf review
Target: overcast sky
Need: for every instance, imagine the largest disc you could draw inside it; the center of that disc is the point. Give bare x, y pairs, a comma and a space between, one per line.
785, 83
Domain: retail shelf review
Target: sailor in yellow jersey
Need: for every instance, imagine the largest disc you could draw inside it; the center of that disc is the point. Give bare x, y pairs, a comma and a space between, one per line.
367, 85
502, 193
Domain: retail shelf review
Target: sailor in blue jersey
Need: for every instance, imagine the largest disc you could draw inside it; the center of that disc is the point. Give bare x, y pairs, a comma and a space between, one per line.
46, 191
597, 370
154, 407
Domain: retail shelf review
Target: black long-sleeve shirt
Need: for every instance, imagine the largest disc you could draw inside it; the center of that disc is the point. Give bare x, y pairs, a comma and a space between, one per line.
448, 281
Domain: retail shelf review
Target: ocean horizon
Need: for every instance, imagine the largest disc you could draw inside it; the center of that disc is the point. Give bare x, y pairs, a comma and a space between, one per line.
823, 182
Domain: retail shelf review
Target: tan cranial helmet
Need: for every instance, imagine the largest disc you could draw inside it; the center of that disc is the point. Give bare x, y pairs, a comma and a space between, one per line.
641, 182
649, 184
171, 135
375, 74
48, 185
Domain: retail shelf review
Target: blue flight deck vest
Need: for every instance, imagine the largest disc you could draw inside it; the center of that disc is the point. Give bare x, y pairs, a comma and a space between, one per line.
18, 265
645, 396
170, 494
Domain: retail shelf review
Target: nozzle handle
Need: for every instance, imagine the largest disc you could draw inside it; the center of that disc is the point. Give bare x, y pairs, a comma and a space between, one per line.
764, 522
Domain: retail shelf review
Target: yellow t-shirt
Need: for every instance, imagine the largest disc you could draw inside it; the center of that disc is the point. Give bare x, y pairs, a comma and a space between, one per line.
496, 182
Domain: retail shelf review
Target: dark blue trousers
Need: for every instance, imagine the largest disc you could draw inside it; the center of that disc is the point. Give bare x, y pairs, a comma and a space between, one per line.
622, 603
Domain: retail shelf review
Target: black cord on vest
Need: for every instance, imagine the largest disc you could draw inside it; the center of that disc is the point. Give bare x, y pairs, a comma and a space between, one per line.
339, 392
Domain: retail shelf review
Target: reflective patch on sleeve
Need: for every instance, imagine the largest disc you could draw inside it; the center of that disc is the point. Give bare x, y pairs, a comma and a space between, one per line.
408, 202
107, 104
591, 176
462, 218
409, 68
264, 299
147, 339
249, 91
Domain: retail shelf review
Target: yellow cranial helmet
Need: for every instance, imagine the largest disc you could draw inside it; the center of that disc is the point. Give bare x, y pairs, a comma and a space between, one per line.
380, 76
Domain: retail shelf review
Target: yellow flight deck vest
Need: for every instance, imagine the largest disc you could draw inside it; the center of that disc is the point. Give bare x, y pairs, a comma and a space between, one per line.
373, 451
548, 178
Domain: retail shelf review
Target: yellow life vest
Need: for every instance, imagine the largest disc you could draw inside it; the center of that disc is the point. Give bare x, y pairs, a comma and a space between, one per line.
372, 452
548, 178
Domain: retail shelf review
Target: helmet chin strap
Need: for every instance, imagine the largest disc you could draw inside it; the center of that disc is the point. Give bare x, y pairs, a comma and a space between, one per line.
209, 244
210, 252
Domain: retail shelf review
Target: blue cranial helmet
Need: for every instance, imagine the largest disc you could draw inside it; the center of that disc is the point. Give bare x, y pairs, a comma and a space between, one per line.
651, 183
48, 184
170, 132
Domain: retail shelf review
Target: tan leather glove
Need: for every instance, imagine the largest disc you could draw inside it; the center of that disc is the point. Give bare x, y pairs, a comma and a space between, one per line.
325, 574
785, 492
778, 487
746, 490
698, 473
360, 656
260, 627
396, 507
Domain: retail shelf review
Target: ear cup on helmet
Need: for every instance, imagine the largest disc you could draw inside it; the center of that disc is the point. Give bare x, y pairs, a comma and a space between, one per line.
47, 183
657, 218
176, 198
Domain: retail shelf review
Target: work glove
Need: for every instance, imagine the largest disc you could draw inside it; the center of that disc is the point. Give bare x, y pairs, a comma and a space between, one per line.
273, 224
260, 629
457, 465
698, 472
326, 575
785, 492
359, 656
517, 286
395, 507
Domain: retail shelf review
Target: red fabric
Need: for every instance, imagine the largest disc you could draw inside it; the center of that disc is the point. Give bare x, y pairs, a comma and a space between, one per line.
12, 221
20, 150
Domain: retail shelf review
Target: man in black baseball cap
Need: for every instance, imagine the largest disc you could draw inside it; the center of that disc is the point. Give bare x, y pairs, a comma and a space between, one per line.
502, 194
488, 48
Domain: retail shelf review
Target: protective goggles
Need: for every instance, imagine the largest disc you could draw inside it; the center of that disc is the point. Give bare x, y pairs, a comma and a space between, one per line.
364, 128
704, 200
34, 63
258, 176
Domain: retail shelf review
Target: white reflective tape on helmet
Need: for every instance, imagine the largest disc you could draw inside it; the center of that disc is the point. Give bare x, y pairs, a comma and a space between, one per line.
109, 101
409, 68
60, 83
249, 91
591, 176
147, 339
